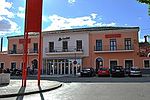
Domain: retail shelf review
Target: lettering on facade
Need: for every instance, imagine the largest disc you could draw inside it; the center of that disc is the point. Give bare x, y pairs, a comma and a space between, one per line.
64, 38
113, 36
21, 41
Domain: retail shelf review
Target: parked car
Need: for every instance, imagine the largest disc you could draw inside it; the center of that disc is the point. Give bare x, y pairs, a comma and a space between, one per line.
15, 72
134, 71
127, 70
117, 71
103, 71
87, 72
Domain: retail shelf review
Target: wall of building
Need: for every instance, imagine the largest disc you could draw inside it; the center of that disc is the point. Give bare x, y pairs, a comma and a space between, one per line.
71, 43
8, 57
107, 56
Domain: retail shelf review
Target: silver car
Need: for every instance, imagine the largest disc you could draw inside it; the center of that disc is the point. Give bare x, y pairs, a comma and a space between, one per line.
134, 71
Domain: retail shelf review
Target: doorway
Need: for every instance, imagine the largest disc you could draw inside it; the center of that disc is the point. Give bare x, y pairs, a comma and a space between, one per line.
99, 63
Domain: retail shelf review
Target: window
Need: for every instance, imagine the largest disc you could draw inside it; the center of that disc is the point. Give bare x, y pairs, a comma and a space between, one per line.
13, 65
147, 63
79, 45
35, 47
65, 46
128, 44
1, 65
113, 63
51, 46
113, 44
14, 48
98, 45
128, 64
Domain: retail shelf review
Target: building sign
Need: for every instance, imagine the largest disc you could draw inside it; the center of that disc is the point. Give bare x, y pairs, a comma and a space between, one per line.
64, 38
113, 36
21, 41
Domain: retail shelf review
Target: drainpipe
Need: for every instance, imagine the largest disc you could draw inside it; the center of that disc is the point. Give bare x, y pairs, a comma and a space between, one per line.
1, 44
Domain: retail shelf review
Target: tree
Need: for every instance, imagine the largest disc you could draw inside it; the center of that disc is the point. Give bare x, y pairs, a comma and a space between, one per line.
146, 2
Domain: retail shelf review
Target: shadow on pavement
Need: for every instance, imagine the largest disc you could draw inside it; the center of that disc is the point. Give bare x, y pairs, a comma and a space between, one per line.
40, 89
21, 91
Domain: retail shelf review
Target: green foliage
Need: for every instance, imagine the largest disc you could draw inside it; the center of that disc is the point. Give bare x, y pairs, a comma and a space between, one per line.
144, 1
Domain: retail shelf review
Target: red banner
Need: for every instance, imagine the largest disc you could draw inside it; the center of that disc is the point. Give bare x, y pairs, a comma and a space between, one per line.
33, 16
113, 36
21, 41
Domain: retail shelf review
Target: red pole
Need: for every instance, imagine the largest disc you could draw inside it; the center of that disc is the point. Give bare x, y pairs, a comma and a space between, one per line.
40, 58
25, 47
26, 58
40, 47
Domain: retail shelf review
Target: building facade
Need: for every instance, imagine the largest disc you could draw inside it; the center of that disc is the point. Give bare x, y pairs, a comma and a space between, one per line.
68, 51
13, 58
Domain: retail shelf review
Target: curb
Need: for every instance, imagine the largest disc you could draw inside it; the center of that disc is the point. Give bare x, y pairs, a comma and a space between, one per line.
28, 93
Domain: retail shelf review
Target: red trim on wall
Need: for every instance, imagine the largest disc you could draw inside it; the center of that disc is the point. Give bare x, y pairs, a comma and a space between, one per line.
113, 36
21, 41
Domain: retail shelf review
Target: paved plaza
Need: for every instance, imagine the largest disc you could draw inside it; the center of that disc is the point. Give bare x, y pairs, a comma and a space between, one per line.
15, 87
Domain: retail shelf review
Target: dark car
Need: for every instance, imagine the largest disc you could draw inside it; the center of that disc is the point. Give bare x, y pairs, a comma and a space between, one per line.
134, 71
87, 72
117, 71
104, 71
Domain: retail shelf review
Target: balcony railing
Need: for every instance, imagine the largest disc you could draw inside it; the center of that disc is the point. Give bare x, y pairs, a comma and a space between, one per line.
20, 51
61, 50
118, 48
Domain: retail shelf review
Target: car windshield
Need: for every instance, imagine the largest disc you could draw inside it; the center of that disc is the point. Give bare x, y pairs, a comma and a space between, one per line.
117, 67
135, 69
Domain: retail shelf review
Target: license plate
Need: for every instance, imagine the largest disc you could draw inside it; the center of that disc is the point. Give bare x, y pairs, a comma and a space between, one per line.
117, 70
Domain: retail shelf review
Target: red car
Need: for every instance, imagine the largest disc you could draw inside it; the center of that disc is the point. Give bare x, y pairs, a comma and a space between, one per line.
103, 72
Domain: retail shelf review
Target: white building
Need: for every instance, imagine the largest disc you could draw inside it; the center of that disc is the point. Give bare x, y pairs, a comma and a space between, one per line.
64, 50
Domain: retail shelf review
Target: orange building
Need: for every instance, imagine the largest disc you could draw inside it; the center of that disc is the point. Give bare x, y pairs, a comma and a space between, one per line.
68, 51
13, 58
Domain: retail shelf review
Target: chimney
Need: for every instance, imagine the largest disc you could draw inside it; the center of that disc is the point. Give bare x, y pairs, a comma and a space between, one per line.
1, 44
145, 39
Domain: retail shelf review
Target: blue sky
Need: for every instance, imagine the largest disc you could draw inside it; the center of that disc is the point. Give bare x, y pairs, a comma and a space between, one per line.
67, 14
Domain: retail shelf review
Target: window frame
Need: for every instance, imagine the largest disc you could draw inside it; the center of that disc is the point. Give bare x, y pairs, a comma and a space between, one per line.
78, 45
99, 45
113, 44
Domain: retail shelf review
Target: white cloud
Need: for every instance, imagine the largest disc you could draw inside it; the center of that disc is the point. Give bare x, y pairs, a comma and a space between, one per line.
71, 1
21, 12
4, 9
7, 25
59, 22
93, 15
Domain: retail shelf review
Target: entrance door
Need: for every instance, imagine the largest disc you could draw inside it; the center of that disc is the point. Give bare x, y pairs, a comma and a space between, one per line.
13, 65
34, 66
113, 63
99, 63
128, 64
